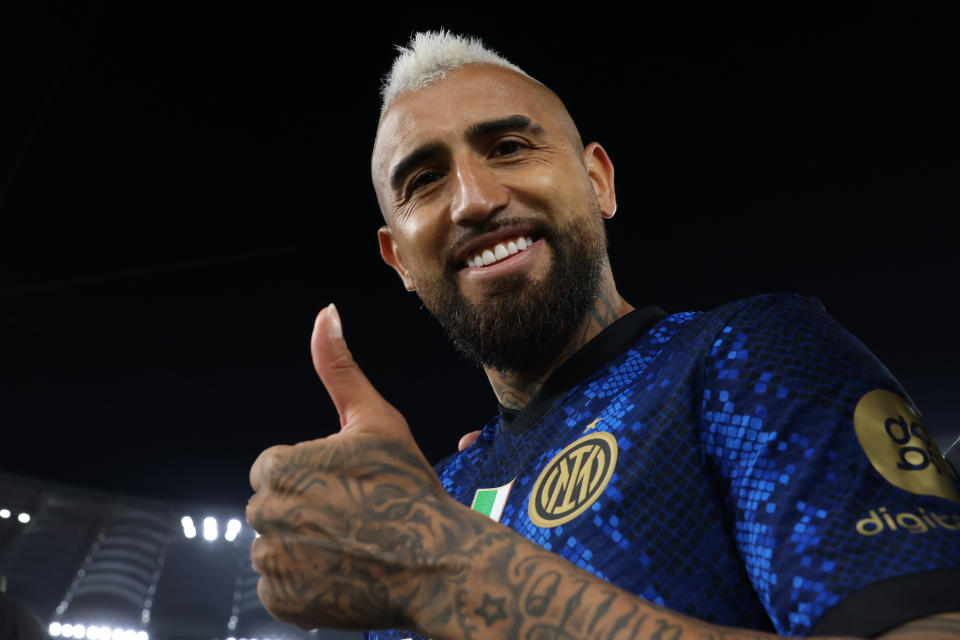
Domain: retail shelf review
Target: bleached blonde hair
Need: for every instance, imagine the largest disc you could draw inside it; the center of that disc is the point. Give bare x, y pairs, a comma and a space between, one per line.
430, 56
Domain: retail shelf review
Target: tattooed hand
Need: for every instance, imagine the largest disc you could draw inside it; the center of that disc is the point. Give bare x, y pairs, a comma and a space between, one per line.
355, 527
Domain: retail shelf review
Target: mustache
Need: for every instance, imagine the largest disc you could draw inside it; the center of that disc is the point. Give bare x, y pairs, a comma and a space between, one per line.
539, 226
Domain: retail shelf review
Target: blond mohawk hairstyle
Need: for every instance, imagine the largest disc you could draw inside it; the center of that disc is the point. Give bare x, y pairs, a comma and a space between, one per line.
430, 56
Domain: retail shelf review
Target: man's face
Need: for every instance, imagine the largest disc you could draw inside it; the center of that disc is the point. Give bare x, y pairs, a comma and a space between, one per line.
493, 211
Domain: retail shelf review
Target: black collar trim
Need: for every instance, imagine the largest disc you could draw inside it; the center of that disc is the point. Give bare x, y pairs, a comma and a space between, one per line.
605, 346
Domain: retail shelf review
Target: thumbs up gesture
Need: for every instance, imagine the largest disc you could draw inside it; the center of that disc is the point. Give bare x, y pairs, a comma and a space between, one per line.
353, 526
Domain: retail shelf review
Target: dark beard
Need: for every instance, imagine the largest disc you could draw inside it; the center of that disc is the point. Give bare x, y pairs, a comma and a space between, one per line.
524, 325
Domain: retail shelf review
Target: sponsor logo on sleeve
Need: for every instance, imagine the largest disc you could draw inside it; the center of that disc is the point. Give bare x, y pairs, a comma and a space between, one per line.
879, 520
573, 479
899, 446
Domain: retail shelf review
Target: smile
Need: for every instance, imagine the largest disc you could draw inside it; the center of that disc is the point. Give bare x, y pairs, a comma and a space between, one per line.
499, 251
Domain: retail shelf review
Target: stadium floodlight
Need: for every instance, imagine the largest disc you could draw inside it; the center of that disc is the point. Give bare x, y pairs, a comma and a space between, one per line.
54, 629
24, 517
79, 631
4, 513
189, 530
142, 635
93, 632
210, 528
233, 529
66, 631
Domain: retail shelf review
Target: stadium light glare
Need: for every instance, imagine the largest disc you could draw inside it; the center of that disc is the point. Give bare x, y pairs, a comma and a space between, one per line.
210, 528
79, 631
4, 513
93, 632
189, 530
233, 529
66, 631
54, 629
24, 517
142, 635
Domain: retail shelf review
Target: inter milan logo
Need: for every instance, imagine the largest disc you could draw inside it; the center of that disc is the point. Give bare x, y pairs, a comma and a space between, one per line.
573, 480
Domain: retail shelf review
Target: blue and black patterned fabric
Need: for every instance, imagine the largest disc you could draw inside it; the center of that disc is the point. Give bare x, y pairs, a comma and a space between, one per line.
747, 489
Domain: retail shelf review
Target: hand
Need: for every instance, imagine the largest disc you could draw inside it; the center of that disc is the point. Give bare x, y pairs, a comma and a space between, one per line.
352, 525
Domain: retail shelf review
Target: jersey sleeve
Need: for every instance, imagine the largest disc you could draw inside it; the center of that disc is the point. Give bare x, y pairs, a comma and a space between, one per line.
844, 513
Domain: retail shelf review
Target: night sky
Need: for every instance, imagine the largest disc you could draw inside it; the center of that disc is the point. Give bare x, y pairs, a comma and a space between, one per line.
183, 188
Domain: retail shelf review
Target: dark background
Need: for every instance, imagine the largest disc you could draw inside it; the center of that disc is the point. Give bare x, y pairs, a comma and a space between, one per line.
184, 186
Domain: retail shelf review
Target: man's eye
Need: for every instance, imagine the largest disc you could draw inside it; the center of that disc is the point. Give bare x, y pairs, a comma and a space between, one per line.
424, 179
507, 147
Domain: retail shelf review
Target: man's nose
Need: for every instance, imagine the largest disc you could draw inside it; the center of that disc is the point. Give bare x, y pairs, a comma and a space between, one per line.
479, 193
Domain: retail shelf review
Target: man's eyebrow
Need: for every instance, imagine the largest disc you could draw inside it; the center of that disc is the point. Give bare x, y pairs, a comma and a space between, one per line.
414, 158
478, 130
502, 125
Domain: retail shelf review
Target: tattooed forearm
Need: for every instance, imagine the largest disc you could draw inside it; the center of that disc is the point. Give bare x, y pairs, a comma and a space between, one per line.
945, 626
518, 590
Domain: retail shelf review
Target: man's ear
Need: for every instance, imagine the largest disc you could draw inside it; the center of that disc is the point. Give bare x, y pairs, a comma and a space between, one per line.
391, 255
600, 169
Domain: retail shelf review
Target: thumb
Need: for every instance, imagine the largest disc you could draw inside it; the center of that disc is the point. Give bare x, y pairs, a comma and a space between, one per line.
348, 387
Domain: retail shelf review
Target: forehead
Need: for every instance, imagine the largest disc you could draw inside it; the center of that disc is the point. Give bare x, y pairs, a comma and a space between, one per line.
447, 108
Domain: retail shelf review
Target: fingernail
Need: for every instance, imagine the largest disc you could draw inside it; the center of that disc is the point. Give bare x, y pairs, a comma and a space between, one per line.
335, 329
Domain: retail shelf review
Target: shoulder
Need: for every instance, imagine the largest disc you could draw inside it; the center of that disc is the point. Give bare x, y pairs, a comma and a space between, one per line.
771, 307
772, 323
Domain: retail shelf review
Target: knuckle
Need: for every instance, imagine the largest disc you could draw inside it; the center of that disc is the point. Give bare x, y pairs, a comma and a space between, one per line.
258, 554
342, 360
264, 469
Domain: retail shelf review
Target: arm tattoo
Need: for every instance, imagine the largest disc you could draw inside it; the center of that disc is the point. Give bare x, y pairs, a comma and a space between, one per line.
945, 626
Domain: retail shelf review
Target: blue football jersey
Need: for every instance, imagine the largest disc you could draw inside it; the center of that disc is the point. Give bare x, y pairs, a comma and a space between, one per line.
752, 466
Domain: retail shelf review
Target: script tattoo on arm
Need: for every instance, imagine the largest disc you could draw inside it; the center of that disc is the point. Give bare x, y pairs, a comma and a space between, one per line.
546, 598
939, 627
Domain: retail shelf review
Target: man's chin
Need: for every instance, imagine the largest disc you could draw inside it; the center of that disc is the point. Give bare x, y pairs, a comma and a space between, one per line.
513, 284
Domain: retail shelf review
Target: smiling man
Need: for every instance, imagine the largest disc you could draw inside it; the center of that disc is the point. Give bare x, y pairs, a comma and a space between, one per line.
738, 473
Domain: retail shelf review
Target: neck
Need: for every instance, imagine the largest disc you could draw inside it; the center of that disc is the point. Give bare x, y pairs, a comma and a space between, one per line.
514, 389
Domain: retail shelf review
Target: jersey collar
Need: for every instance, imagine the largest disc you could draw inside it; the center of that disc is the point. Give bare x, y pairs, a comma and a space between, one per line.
605, 346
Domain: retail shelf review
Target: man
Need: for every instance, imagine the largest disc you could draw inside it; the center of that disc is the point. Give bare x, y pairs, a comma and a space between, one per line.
739, 473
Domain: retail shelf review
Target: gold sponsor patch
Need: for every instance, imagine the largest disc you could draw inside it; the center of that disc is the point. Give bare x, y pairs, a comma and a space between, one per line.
899, 446
573, 480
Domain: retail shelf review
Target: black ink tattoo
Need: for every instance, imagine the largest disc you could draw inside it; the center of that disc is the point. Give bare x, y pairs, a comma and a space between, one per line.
491, 610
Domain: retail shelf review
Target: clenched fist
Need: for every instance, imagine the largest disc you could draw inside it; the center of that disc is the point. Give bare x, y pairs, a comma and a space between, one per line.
356, 530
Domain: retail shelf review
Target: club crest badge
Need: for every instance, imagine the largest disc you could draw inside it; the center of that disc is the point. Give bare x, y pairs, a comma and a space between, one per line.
573, 479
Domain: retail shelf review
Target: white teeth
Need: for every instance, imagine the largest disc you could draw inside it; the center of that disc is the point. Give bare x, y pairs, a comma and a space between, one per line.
499, 251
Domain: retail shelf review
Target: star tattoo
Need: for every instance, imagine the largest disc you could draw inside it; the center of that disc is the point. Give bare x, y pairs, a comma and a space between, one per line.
491, 610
